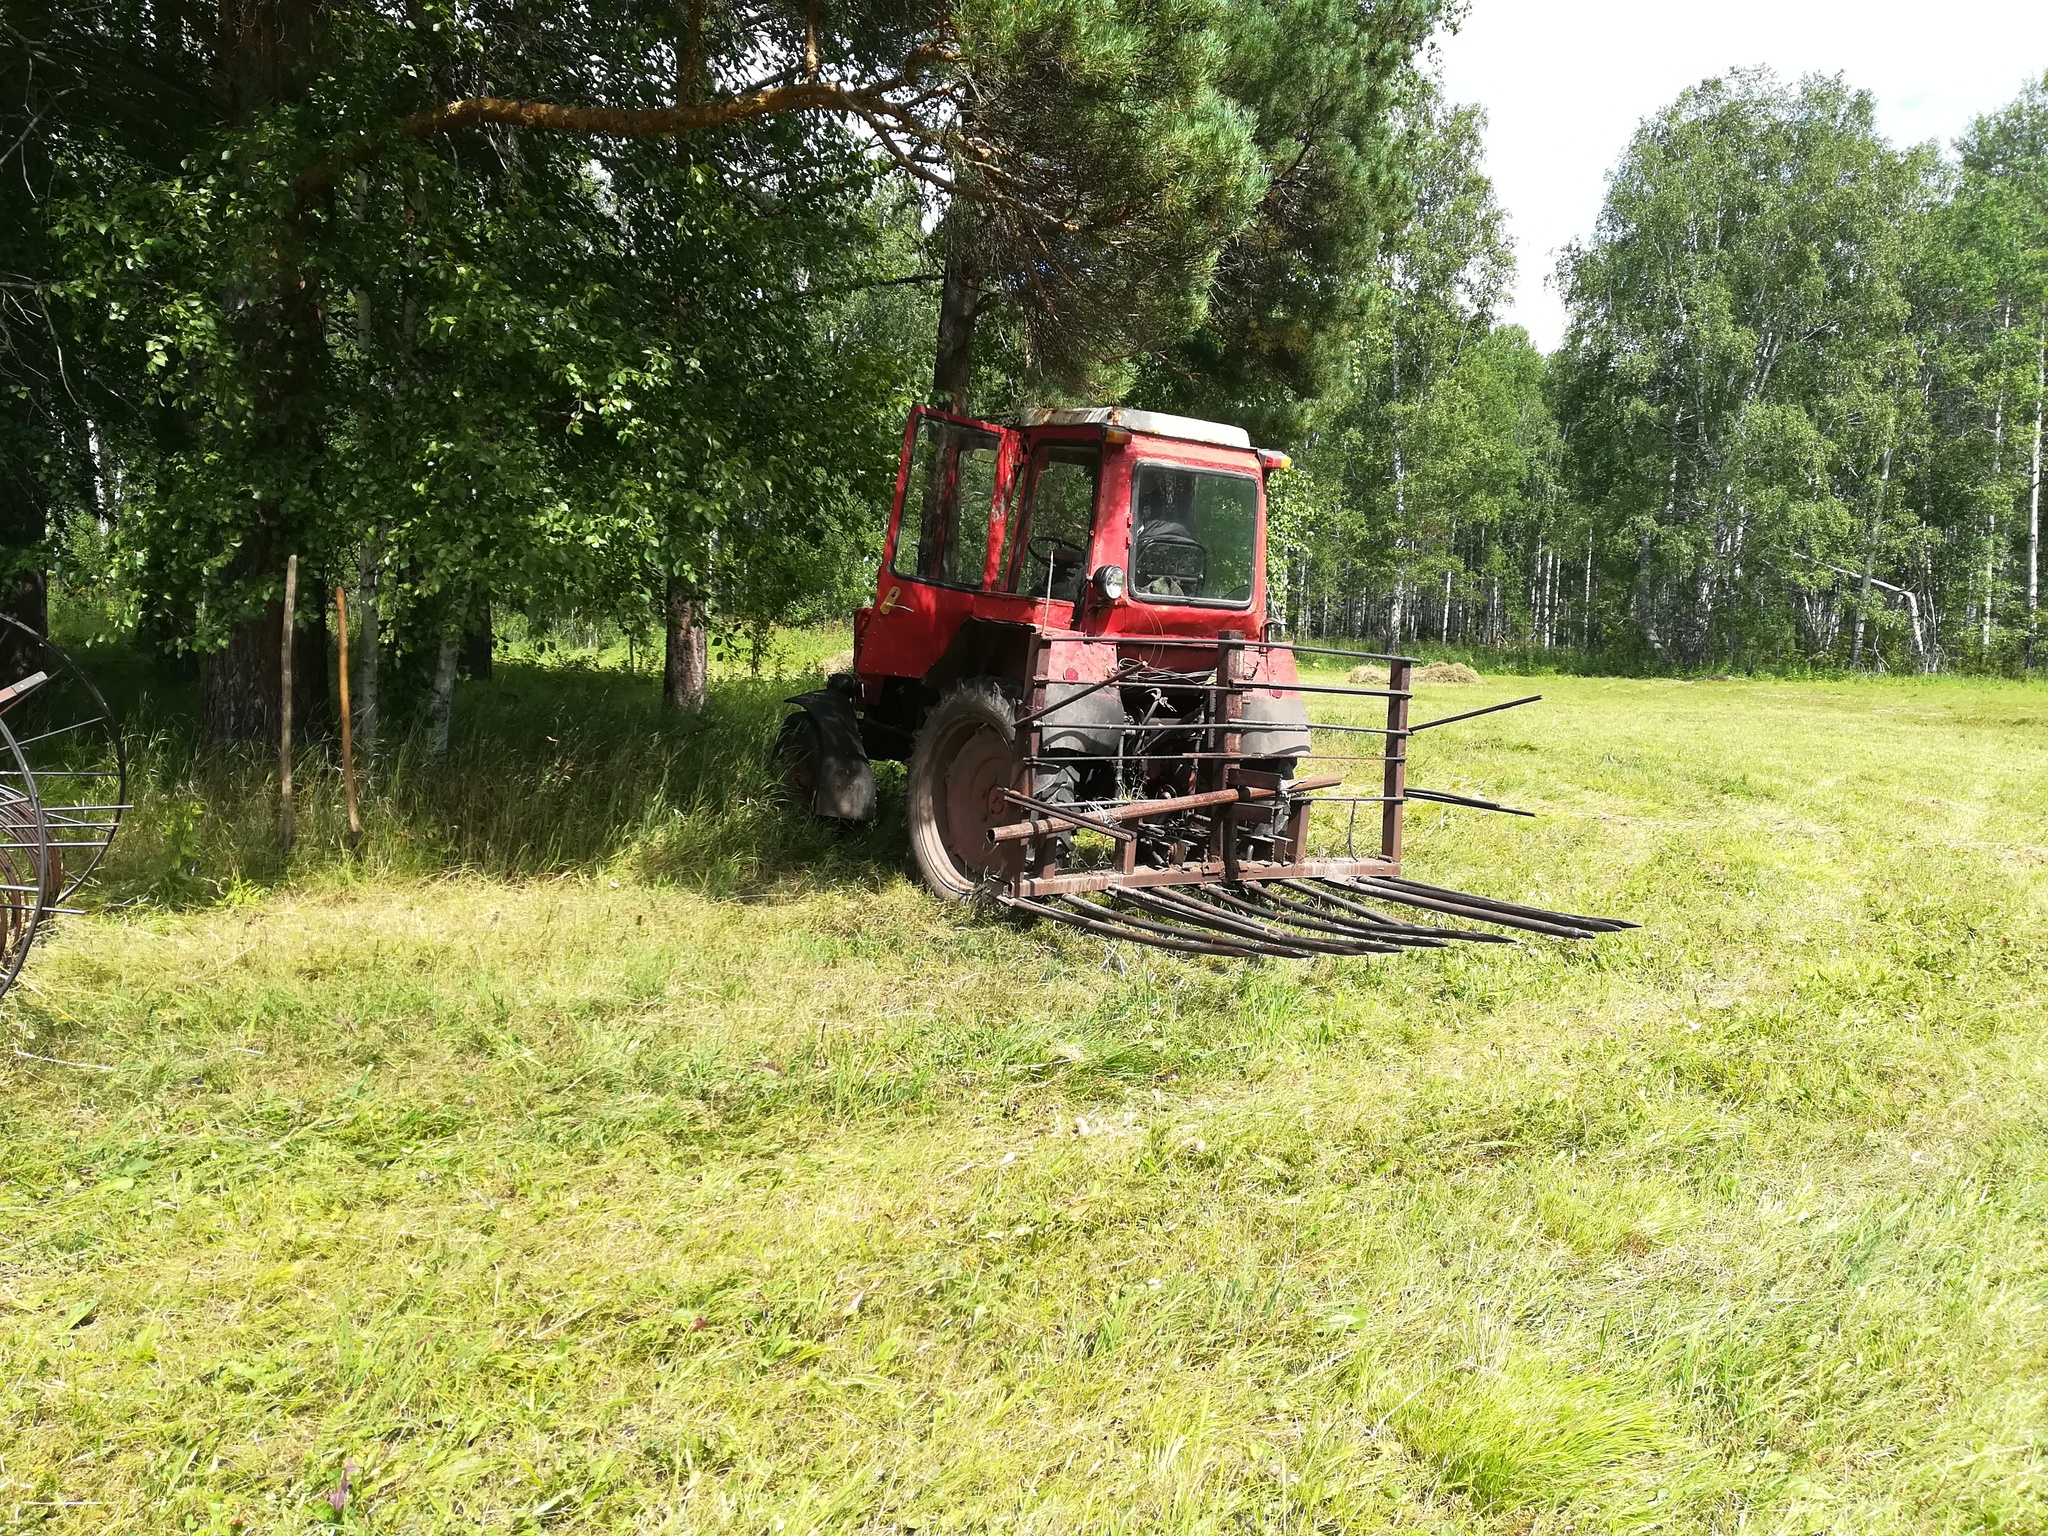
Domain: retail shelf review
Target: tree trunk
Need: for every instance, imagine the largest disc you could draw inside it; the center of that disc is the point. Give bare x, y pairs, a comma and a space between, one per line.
441, 703
1862, 603
477, 641
312, 687
239, 682
1884, 480
1586, 617
1991, 512
369, 654
2034, 490
265, 55
959, 307
686, 670
24, 523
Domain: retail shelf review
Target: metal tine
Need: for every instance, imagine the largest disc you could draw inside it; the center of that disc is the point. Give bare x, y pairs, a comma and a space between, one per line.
1445, 797
1329, 688
1113, 927
29, 741
1203, 900
1317, 650
1556, 929
1163, 935
1209, 642
1317, 890
1250, 943
1603, 924
1283, 909
1474, 714
1202, 727
1191, 757
1192, 908
1257, 903
1348, 940
1205, 943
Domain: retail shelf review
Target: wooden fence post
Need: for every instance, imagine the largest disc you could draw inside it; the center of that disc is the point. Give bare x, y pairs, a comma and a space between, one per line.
348, 758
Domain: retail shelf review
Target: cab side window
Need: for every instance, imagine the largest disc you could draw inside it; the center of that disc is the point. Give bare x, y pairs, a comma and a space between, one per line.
1047, 553
947, 501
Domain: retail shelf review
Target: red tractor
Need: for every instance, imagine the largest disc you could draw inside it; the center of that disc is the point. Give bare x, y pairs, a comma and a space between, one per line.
1069, 645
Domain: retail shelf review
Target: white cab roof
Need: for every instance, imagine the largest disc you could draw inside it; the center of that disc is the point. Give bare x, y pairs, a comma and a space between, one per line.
1156, 423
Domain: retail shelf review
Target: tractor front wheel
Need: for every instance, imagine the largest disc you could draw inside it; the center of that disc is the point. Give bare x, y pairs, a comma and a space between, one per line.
966, 756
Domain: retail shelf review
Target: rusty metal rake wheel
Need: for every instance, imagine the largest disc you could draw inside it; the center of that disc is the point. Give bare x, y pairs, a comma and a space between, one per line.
30, 873
68, 756
966, 756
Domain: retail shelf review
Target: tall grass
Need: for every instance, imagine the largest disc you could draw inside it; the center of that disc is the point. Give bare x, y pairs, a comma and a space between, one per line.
552, 767
555, 1171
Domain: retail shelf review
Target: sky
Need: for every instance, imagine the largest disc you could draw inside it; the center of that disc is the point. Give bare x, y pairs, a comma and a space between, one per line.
1565, 82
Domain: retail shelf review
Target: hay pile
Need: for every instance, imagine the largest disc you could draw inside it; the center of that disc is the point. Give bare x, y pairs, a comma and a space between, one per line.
843, 662
1372, 675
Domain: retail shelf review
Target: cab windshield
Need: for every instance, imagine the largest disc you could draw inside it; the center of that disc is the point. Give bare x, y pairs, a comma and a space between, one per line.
1194, 535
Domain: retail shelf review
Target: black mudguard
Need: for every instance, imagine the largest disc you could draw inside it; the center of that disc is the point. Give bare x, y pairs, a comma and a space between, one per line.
843, 779
1275, 727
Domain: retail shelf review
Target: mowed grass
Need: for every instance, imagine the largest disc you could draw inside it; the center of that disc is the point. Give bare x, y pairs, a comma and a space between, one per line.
633, 1159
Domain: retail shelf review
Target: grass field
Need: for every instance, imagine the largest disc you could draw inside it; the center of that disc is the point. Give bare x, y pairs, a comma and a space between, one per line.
608, 1152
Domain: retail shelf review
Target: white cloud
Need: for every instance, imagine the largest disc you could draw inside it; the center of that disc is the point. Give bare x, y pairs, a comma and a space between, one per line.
1565, 82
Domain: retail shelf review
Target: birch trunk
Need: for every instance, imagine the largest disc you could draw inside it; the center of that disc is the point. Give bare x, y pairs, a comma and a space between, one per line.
441, 702
686, 672
2034, 489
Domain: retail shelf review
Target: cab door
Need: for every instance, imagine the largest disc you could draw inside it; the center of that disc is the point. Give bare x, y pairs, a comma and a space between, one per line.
945, 536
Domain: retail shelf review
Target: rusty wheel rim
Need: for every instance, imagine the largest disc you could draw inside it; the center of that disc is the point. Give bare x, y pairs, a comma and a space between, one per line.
981, 768
78, 776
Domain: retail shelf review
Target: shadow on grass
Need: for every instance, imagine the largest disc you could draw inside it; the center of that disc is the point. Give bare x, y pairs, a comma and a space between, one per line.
552, 770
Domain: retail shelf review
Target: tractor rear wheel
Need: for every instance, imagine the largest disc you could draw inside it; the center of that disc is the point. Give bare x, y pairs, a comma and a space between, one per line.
966, 756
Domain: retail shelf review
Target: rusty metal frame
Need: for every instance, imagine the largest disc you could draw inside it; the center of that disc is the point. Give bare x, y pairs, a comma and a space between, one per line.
1222, 899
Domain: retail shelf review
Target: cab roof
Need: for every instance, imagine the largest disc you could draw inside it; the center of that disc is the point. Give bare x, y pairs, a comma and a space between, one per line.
1151, 423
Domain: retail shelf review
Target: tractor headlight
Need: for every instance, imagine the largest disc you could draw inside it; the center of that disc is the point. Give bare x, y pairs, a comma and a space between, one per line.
1109, 582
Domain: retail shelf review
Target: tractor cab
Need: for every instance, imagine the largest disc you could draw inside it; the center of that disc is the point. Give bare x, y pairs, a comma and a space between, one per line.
1104, 522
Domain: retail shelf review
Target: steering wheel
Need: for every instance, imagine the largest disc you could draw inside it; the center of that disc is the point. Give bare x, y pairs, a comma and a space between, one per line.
1170, 582
1052, 542
1049, 548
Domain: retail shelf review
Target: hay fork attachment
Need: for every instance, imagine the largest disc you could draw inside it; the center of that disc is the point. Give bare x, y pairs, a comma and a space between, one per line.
1209, 852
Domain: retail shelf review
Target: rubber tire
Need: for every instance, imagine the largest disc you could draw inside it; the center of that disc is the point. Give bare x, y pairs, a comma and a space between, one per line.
981, 703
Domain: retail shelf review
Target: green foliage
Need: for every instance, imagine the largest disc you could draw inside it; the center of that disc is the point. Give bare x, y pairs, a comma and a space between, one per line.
1796, 422
1741, 370
549, 374
1332, 104
543, 371
1431, 477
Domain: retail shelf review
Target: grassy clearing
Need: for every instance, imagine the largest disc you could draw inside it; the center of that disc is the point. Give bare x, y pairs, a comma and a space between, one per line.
607, 1152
